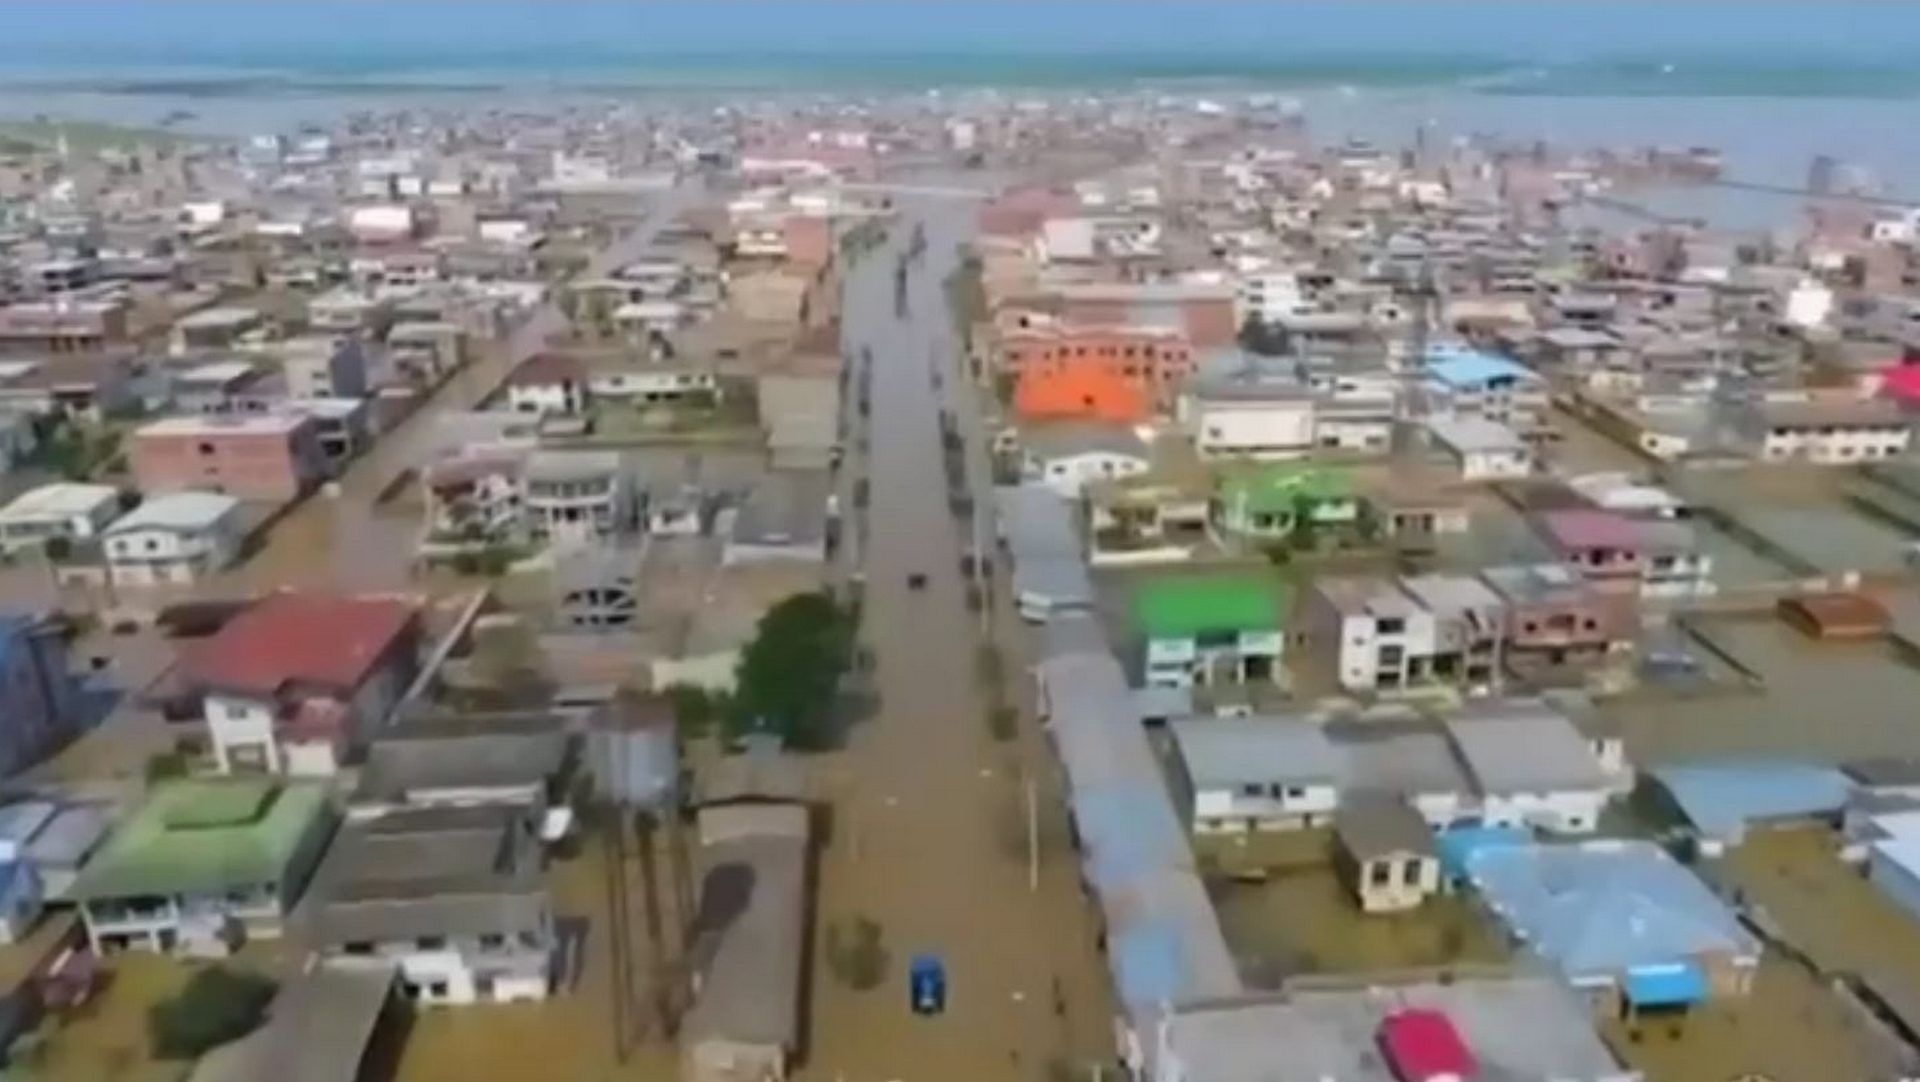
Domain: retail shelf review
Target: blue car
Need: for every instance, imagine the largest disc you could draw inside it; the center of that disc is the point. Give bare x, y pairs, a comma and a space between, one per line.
927, 985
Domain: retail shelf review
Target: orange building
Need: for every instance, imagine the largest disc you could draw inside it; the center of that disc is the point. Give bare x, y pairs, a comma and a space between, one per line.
1080, 390
1155, 359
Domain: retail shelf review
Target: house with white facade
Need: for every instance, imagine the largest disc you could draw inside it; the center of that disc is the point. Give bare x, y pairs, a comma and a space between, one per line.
572, 497
64, 511
203, 866
1480, 449
548, 383
1248, 774
1250, 418
174, 538
1381, 638
1529, 766
1067, 456
1466, 382
1211, 629
297, 680
1827, 430
454, 896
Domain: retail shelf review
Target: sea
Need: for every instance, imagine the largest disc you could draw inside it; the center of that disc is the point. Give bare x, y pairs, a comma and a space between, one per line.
1769, 83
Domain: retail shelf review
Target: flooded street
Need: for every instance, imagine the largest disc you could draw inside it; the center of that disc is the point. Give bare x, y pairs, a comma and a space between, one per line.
347, 540
929, 832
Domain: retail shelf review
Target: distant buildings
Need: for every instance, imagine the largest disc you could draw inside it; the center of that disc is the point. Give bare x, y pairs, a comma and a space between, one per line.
40, 707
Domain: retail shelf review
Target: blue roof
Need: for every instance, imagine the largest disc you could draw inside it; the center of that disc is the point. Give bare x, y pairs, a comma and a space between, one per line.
1149, 964
1722, 798
1457, 845
1459, 367
1601, 909
1127, 836
1679, 985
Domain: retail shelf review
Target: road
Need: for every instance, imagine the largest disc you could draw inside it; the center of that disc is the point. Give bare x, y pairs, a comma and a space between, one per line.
343, 541
930, 831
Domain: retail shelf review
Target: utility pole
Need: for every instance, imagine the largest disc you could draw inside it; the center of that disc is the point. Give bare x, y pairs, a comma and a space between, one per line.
1033, 838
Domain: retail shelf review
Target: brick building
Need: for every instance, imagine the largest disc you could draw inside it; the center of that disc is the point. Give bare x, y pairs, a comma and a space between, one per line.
259, 457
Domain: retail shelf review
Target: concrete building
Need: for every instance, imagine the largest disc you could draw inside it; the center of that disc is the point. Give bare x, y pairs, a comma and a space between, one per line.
1249, 774
1469, 383
296, 680
1385, 854
1251, 419
574, 497
1621, 920
202, 867
64, 511
39, 701
1827, 431
1481, 450
1067, 456
548, 383
274, 457
455, 897
175, 538
1208, 630
1382, 639
1529, 766
1556, 619
1154, 358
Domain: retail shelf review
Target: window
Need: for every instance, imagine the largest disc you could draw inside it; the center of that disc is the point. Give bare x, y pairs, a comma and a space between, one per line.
1391, 625
1410, 871
236, 712
358, 946
1295, 792
1252, 790
530, 940
492, 942
206, 448
1379, 873
431, 942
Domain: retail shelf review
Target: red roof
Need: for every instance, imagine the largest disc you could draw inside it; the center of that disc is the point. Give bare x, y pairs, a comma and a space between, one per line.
299, 638
1901, 383
1422, 1045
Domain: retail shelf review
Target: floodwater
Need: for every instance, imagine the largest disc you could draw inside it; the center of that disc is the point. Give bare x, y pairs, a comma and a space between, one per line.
347, 540
928, 815
1805, 512
1822, 701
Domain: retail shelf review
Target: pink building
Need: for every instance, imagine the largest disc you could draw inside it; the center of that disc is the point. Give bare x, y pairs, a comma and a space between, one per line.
1606, 547
274, 457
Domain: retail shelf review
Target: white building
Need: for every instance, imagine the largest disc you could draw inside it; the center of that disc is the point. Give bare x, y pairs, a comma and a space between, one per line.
1828, 431
1386, 640
1530, 767
1067, 456
1480, 449
573, 497
1250, 419
1271, 296
174, 538
1258, 773
65, 510
653, 384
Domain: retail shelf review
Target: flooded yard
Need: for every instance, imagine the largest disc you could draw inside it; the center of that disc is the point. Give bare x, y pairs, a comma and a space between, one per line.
1807, 513
1303, 919
1823, 701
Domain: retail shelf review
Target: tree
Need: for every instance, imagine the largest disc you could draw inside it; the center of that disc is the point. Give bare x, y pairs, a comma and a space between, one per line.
789, 673
1257, 336
694, 709
216, 1006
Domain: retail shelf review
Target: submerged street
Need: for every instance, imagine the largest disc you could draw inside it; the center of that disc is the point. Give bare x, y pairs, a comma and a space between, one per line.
929, 832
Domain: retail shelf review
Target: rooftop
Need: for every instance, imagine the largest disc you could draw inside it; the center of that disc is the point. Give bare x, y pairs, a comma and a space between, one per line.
1231, 752
226, 424
60, 500
1190, 606
299, 638
1601, 909
205, 836
1461, 369
1524, 750
179, 511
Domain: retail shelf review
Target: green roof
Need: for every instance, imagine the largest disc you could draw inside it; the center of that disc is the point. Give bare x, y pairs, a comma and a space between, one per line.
1182, 608
205, 835
1279, 487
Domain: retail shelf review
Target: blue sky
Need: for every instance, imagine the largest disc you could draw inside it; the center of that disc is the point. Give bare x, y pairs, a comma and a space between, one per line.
201, 33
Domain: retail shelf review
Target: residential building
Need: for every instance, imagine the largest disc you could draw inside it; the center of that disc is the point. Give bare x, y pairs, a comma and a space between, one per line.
1508, 1027
214, 386
1201, 630
62, 326
1244, 418
1066, 456
1249, 774
1130, 517
1827, 430
1274, 501
1081, 390
1556, 618
1606, 547
800, 410
1381, 638
1357, 423
1203, 311
1619, 919
1152, 358
1469, 628
1674, 564
473, 500
65, 511
548, 383
519, 759
174, 538
1036, 526
1529, 766
573, 497
783, 519
454, 896
326, 368
56, 837
336, 1019
1481, 450
91, 386
1470, 383
297, 681
273, 457
203, 866
1385, 854
40, 707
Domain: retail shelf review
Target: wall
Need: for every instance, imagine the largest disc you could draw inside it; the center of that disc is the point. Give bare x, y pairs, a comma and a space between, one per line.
234, 720
1265, 430
1230, 810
